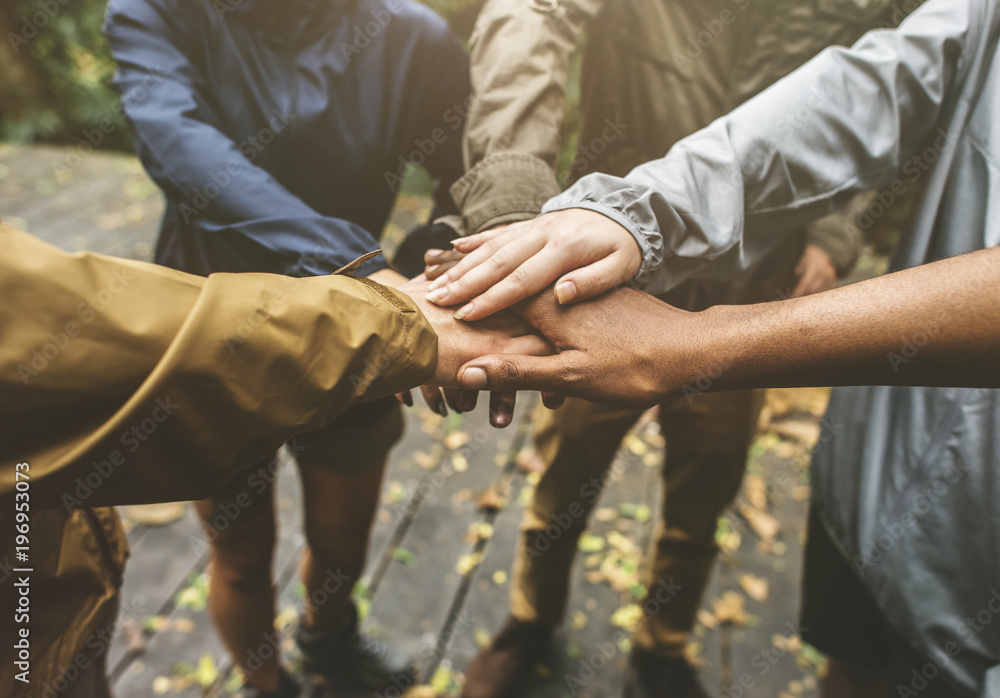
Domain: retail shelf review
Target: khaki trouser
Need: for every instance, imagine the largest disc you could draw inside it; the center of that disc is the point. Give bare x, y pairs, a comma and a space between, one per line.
707, 440
77, 560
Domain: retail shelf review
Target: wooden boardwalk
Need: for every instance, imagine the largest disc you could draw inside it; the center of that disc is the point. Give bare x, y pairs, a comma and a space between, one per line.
443, 543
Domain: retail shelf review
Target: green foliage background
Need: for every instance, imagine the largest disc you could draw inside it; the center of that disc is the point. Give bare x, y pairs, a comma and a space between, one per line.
58, 84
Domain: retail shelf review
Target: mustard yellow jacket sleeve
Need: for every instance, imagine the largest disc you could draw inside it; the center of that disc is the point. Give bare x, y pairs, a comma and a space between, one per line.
124, 382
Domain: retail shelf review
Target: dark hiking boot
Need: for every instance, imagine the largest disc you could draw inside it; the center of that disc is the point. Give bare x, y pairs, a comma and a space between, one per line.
504, 668
657, 676
346, 655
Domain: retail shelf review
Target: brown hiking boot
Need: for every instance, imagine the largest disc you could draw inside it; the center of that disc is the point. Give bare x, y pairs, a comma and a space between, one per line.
504, 669
657, 676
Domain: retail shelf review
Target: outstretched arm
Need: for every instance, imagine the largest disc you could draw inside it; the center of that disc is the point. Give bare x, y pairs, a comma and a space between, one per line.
125, 382
844, 122
934, 325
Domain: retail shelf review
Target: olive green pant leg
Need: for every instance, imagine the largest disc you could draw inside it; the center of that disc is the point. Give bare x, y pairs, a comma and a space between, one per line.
577, 444
707, 440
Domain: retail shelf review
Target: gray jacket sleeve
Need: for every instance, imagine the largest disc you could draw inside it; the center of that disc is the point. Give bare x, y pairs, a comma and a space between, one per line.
848, 120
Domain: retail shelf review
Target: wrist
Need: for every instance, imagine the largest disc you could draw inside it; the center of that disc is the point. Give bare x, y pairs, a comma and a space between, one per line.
388, 277
715, 350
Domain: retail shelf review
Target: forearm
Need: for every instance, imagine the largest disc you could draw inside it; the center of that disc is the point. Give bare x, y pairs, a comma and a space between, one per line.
934, 325
154, 385
845, 121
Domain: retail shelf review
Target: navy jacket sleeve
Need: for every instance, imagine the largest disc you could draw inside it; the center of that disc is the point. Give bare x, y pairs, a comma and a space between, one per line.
215, 187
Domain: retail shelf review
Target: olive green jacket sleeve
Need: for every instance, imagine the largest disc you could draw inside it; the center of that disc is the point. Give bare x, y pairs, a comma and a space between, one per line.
125, 382
520, 51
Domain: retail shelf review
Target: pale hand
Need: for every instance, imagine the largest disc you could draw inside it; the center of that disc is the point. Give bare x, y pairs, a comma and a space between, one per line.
584, 252
459, 342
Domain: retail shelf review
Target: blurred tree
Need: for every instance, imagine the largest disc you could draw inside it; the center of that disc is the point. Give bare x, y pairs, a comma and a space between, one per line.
55, 73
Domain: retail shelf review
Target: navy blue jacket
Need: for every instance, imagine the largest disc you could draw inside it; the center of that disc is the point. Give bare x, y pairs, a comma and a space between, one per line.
278, 128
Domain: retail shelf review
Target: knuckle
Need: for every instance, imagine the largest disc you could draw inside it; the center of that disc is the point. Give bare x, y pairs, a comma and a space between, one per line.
510, 372
519, 277
498, 261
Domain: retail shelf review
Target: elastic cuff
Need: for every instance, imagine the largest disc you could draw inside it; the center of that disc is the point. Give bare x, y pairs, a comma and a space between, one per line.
503, 188
646, 241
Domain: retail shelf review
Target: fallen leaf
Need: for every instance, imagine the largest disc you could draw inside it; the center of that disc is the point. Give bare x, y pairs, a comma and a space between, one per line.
477, 531
529, 461
763, 524
489, 500
730, 609
757, 588
589, 543
467, 563
627, 617
404, 556
455, 440
707, 619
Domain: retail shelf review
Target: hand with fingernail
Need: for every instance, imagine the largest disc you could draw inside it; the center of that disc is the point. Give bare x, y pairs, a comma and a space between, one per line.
584, 253
460, 342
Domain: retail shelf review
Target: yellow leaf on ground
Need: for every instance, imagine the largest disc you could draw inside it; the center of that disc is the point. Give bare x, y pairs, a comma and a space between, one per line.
757, 588
730, 609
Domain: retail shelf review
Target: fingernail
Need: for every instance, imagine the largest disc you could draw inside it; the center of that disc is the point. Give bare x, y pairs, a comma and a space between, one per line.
500, 418
474, 378
455, 240
442, 409
438, 282
437, 294
433, 253
463, 311
565, 292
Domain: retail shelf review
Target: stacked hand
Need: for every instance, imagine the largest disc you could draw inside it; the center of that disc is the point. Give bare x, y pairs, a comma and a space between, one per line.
584, 252
625, 349
459, 342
